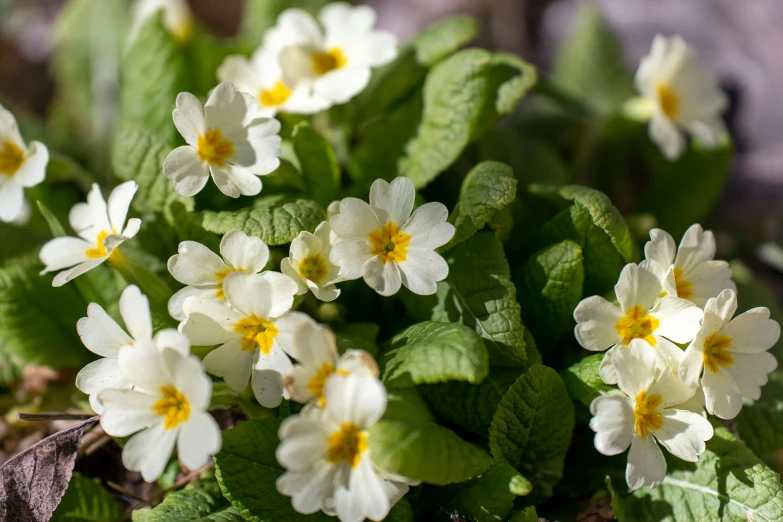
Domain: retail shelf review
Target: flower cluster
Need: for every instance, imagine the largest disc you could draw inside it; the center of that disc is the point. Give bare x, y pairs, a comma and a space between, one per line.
677, 297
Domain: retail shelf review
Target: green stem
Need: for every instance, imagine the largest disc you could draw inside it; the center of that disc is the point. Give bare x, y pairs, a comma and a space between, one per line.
156, 290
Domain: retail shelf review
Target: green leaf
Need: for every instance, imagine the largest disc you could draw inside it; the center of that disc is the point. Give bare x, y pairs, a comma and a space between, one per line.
463, 97
479, 294
583, 381
223, 397
444, 37
760, 422
433, 352
246, 470
470, 406
262, 15
550, 286
531, 161
589, 64
527, 515
318, 165
486, 190
490, 497
187, 225
274, 219
408, 442
86, 500
685, 191
361, 336
401, 512
138, 155
197, 502
532, 428
153, 73
728, 483
598, 227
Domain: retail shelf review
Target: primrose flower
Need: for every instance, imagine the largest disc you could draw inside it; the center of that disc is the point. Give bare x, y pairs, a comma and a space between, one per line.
642, 319
327, 455
316, 350
697, 275
103, 336
647, 411
685, 97
204, 271
331, 60
101, 229
254, 332
21, 167
386, 244
167, 406
177, 18
228, 139
733, 354
309, 266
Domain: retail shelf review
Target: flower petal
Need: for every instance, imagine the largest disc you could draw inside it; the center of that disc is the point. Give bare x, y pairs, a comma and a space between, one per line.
355, 221
149, 451
186, 170
235, 181
231, 363
679, 319
364, 496
358, 399
189, 118
176, 306
196, 265
100, 333
350, 255
683, 434
119, 203
382, 277
722, 396
612, 422
33, 170
62, 252
428, 227
126, 411
637, 286
393, 201
646, 465
243, 252
69, 275
421, 271
199, 439
595, 323
135, 311
664, 133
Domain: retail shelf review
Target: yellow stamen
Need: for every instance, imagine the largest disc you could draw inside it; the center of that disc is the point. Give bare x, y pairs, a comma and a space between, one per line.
11, 158
347, 444
645, 413
715, 352
174, 405
257, 333
213, 149
637, 324
684, 288
389, 243
313, 268
669, 101
328, 61
99, 250
275, 96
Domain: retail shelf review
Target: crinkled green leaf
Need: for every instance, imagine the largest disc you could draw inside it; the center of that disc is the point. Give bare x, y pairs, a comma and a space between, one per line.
486, 190
187, 225
86, 500
470, 406
490, 497
550, 286
532, 428
274, 219
262, 15
443, 38
318, 165
729, 483
431, 352
583, 381
408, 442
463, 96
479, 294
197, 502
246, 470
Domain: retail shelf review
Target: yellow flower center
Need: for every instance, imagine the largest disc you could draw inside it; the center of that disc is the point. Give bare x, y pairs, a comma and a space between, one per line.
637, 324
256, 332
389, 243
11, 158
328, 61
684, 288
317, 381
645, 414
99, 250
669, 101
275, 96
313, 268
715, 352
174, 405
347, 444
213, 149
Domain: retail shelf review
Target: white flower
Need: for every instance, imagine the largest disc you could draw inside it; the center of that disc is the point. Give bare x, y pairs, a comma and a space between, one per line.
641, 319
103, 336
733, 354
204, 271
386, 245
309, 266
21, 167
316, 350
686, 98
261, 76
101, 229
177, 18
227, 138
255, 332
167, 406
327, 455
697, 275
332, 60
647, 411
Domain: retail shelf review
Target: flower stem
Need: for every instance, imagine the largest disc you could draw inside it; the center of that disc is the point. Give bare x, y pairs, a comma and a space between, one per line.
150, 284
